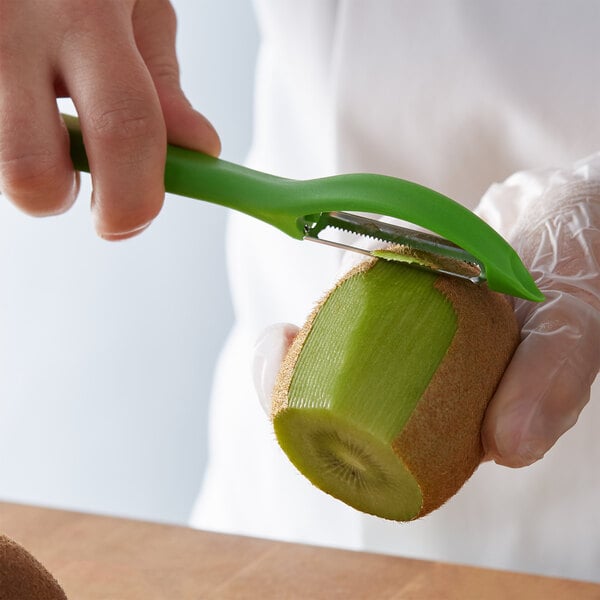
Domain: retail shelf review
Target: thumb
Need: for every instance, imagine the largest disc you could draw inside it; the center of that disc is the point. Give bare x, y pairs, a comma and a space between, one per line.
269, 351
547, 383
155, 27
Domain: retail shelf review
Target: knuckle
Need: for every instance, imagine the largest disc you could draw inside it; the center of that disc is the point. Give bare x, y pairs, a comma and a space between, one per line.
165, 70
129, 120
92, 18
25, 170
35, 182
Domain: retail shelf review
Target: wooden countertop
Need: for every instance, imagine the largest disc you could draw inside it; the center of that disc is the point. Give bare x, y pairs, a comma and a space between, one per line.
95, 557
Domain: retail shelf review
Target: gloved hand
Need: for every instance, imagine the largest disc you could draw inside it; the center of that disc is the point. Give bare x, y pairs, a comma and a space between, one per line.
117, 62
552, 218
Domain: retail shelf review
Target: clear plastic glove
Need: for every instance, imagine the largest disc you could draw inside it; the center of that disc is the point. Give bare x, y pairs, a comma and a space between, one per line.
116, 60
552, 218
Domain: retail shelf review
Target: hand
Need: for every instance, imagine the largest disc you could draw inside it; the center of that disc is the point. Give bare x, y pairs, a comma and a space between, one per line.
116, 60
557, 234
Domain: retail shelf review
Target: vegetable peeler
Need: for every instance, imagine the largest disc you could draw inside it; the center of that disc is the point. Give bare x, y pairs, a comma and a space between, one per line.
309, 209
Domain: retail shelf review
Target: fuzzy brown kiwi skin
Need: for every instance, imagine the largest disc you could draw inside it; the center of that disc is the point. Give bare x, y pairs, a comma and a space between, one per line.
486, 338
23, 577
441, 442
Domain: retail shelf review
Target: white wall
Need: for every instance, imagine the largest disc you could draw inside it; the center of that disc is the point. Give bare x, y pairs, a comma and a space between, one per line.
107, 350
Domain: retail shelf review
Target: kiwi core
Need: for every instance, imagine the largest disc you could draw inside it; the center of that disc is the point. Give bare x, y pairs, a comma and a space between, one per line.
349, 463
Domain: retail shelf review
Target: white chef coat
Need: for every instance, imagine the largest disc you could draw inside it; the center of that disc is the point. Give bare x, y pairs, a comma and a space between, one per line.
456, 95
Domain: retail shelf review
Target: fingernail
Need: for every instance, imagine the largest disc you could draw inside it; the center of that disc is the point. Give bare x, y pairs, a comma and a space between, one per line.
524, 455
530, 451
124, 235
72, 194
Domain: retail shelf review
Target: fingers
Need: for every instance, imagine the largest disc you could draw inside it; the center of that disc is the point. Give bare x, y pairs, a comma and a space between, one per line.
35, 168
117, 61
121, 122
269, 351
155, 29
547, 383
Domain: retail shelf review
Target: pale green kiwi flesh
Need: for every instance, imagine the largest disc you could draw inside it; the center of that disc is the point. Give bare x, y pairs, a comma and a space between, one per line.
371, 351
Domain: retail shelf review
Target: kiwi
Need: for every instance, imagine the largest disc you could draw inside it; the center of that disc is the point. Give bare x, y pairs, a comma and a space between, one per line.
380, 399
22, 577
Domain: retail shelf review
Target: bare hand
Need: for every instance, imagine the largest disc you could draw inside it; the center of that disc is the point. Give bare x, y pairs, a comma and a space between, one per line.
116, 60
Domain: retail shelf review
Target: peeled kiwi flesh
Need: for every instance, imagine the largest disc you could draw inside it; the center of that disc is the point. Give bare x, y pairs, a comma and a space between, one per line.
380, 399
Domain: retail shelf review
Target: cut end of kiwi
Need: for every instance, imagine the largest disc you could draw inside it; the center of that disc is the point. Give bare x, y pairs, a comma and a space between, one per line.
349, 463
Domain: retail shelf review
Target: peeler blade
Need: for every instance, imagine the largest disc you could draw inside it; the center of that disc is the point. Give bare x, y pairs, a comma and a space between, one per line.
418, 248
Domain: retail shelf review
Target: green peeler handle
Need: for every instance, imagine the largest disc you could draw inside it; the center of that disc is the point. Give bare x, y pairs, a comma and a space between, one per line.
196, 175
284, 203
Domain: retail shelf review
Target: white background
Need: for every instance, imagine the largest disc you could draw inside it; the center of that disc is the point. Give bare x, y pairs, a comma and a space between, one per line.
107, 349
